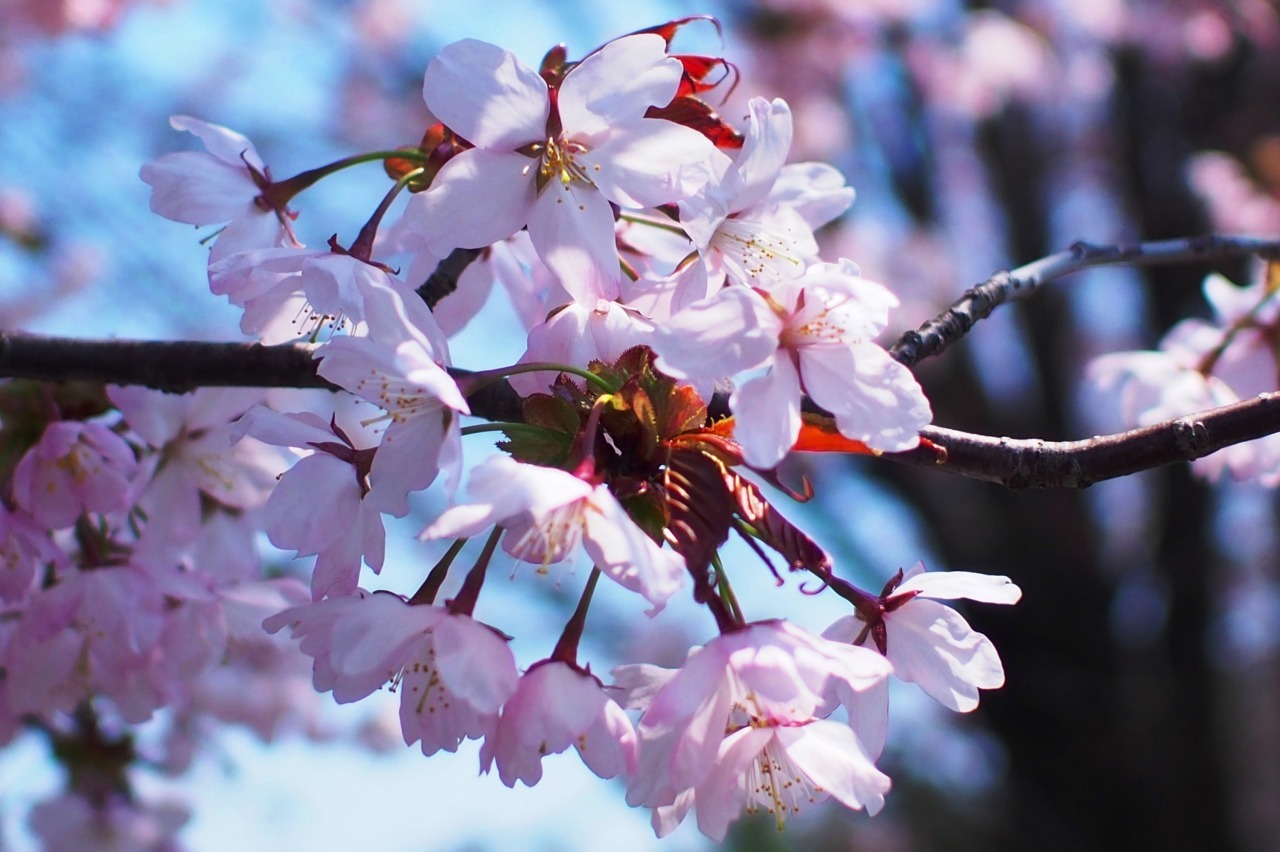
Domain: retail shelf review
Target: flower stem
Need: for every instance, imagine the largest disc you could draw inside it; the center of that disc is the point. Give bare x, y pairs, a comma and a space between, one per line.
430, 587
465, 601
566, 649
506, 426
473, 382
279, 193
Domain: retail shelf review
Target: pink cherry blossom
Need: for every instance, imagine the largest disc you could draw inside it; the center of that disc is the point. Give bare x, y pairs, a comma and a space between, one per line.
461, 675
752, 223
578, 334
75, 467
397, 368
928, 643
556, 706
92, 633
556, 166
195, 458
25, 546
223, 185
72, 823
359, 642
548, 512
814, 335
785, 768
768, 674
1204, 364
453, 673
320, 505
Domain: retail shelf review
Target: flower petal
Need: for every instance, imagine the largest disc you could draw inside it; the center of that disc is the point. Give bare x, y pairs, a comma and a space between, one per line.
486, 95
478, 198
571, 226
617, 84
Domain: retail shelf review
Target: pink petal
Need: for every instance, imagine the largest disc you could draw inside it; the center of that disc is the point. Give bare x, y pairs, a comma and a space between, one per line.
571, 226
617, 83
478, 198
833, 758
766, 414
486, 96
931, 645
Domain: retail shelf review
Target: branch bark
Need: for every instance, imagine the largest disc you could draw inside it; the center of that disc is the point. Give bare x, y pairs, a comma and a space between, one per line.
181, 366
978, 302
1012, 462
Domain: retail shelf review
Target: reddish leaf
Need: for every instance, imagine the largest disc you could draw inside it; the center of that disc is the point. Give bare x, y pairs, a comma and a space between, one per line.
670, 28
698, 115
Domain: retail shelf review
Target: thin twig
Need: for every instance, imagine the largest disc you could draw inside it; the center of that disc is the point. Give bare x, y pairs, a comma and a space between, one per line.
979, 302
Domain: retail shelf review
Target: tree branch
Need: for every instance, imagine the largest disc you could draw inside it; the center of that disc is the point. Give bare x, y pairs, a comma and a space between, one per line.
1020, 463
444, 280
1013, 462
170, 366
979, 302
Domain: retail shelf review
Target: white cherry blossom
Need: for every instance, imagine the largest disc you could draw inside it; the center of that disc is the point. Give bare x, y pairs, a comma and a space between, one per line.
549, 512
556, 168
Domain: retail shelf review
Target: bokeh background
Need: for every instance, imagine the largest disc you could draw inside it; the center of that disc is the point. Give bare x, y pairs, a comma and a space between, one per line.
1142, 709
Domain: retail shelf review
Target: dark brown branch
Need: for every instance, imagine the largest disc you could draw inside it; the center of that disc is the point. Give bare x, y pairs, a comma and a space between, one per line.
444, 280
1013, 462
171, 366
1031, 463
979, 302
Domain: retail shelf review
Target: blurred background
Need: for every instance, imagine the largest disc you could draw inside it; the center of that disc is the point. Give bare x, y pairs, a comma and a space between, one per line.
1142, 706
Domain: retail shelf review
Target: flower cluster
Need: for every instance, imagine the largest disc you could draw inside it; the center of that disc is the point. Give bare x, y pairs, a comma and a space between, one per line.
1207, 363
658, 252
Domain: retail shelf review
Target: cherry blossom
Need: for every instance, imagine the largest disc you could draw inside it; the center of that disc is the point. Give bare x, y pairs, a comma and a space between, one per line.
319, 506
578, 334
771, 678
72, 823
25, 546
556, 166
814, 335
195, 458
928, 643
396, 368
556, 706
453, 673
755, 222
1202, 365
75, 467
226, 184
548, 512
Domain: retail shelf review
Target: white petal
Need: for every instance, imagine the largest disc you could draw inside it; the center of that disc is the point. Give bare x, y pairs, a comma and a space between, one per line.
766, 414
720, 798
949, 585
875, 399
571, 226
478, 198
486, 95
617, 83
733, 331
222, 142
651, 163
817, 191
763, 151
196, 188
833, 758
931, 645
